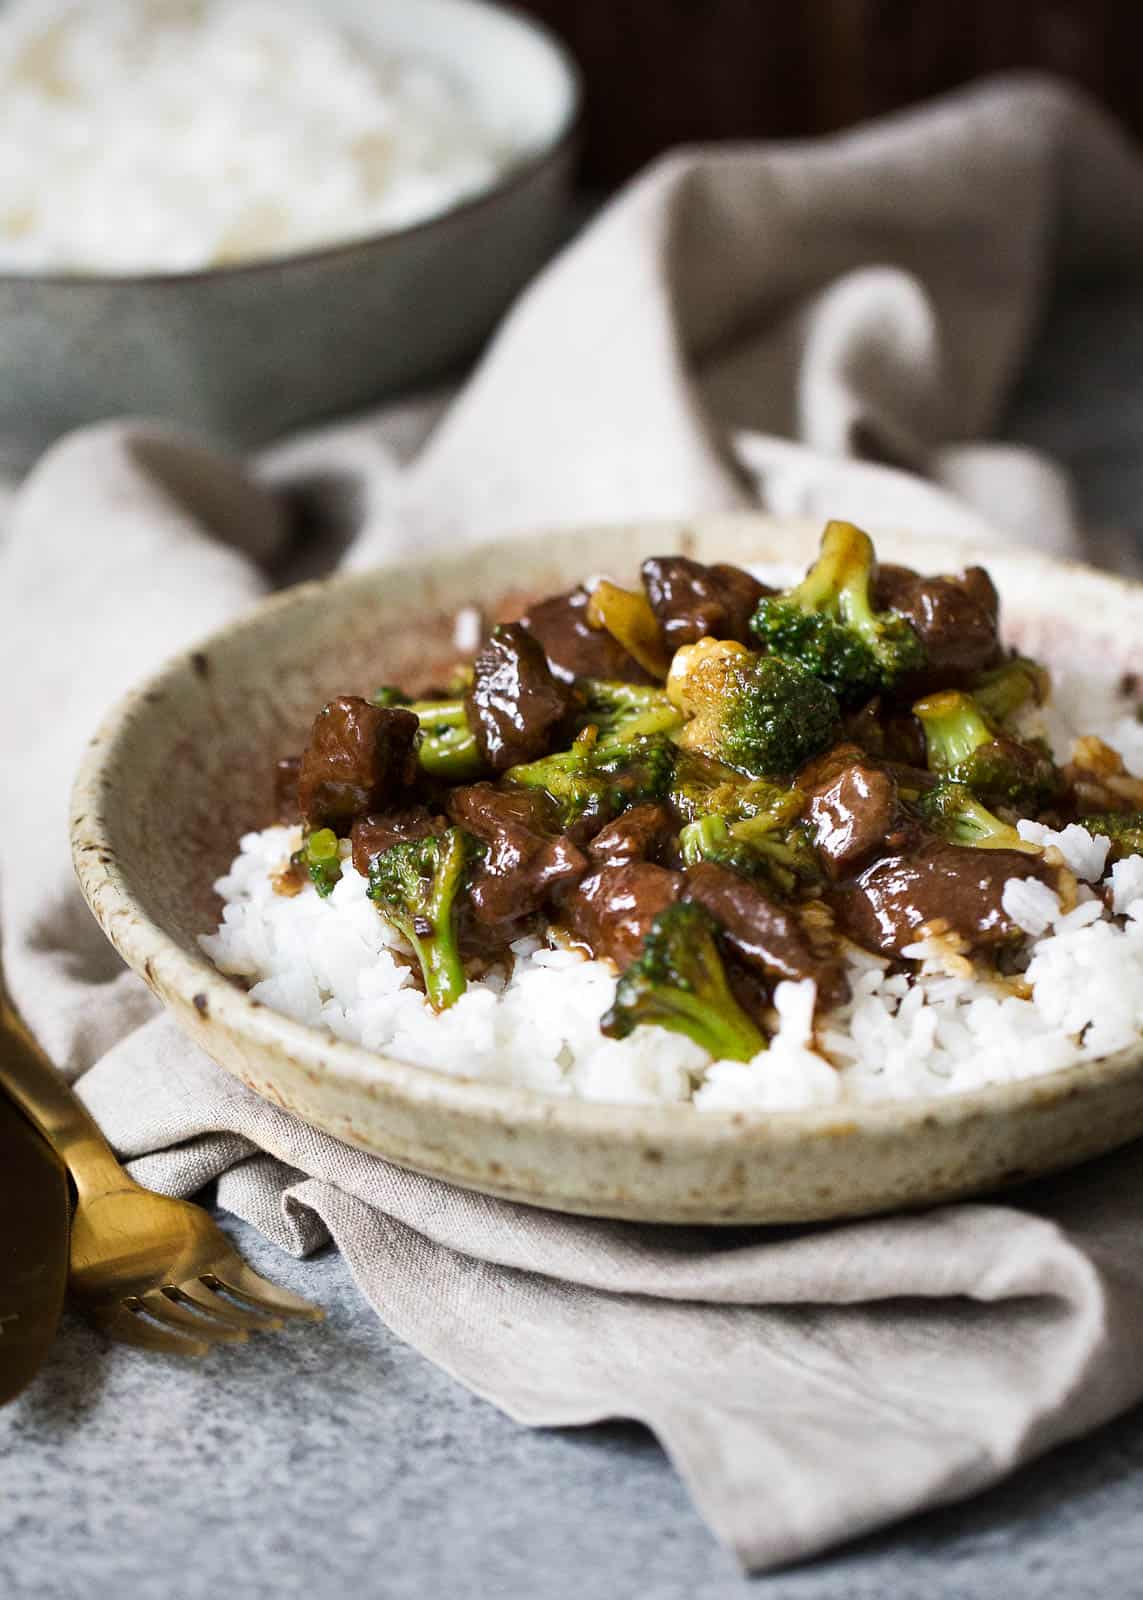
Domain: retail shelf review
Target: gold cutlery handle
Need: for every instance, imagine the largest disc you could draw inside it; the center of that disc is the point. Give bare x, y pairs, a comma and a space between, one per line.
55, 1108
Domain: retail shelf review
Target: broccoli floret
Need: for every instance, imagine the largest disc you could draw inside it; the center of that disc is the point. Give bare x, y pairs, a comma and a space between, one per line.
784, 858
626, 710
679, 982
702, 787
1004, 690
417, 886
963, 746
320, 860
619, 712
952, 812
828, 625
759, 714
598, 778
1123, 828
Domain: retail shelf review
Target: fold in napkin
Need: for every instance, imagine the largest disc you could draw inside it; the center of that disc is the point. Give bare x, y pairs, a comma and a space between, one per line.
821, 328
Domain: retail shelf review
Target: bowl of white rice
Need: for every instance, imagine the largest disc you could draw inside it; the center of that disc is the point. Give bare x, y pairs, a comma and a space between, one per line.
242, 215
922, 1088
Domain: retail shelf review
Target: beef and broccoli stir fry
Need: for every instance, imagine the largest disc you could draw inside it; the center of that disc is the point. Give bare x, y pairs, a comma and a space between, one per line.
710, 783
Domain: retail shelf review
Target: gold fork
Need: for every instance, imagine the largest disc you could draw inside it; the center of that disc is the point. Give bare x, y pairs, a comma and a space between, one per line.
150, 1270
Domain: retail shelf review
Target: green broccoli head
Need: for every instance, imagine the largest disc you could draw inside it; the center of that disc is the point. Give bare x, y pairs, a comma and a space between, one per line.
418, 886
761, 715
598, 778
1123, 828
963, 746
680, 983
827, 623
952, 812
702, 787
625, 710
783, 858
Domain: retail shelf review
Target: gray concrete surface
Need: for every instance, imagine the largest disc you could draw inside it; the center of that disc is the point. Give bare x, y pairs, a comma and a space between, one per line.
336, 1462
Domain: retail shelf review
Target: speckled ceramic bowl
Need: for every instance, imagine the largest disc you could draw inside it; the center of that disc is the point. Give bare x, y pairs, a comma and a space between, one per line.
245, 352
182, 768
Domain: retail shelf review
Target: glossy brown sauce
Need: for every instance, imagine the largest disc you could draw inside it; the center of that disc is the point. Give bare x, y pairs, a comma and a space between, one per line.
881, 875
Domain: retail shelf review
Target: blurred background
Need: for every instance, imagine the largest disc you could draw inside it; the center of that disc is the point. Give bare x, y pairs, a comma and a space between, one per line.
659, 72
249, 216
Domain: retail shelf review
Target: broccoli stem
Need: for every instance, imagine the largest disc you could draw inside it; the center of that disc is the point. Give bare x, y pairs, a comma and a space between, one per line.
953, 813
623, 711
320, 858
1004, 690
417, 885
955, 729
840, 578
727, 1034
448, 747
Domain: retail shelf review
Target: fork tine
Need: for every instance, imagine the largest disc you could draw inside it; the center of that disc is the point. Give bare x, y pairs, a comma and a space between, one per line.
159, 1304
199, 1294
130, 1327
232, 1274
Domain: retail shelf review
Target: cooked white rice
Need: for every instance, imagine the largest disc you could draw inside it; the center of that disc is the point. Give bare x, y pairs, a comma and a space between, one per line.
169, 135
936, 1032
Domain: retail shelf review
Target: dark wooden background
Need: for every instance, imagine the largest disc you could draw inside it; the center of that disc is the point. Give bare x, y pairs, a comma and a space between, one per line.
663, 71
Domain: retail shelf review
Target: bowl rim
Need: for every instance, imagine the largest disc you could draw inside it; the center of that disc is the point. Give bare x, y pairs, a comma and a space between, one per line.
194, 983
560, 143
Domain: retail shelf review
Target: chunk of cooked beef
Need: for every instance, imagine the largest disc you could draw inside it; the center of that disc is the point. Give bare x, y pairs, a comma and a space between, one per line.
889, 732
528, 860
286, 788
359, 758
637, 834
695, 602
573, 647
515, 705
612, 910
956, 886
371, 836
955, 618
764, 935
852, 805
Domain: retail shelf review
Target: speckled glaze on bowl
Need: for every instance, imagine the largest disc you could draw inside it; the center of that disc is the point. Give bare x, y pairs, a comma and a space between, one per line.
245, 352
182, 767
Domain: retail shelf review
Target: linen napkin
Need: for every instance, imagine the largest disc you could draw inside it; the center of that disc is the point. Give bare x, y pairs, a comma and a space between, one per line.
825, 328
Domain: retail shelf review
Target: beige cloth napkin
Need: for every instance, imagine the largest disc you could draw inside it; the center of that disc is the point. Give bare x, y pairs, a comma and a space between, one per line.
823, 328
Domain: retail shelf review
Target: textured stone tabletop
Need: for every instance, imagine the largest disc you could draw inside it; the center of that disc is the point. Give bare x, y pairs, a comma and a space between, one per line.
336, 1461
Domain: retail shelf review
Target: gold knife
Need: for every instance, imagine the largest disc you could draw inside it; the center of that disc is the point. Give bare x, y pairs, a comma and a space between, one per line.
35, 1208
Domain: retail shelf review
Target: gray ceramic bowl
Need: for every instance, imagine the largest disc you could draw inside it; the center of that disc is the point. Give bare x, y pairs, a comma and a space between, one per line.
246, 352
182, 768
